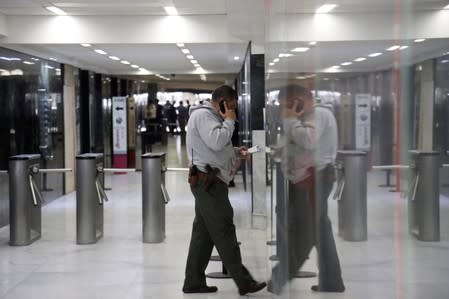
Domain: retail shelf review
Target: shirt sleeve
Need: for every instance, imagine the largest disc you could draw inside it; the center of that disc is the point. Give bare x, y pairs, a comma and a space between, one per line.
215, 134
300, 133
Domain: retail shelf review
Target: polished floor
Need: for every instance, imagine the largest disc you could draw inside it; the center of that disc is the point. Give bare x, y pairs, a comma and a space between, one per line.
391, 264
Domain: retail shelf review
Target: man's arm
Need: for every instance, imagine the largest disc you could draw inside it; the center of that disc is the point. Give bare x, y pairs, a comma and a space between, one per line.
215, 135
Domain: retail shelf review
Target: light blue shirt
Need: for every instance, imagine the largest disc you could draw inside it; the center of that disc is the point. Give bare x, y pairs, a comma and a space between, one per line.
208, 141
311, 141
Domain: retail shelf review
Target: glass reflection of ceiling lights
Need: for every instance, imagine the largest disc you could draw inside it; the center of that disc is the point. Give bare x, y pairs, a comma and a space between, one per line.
182, 47
115, 58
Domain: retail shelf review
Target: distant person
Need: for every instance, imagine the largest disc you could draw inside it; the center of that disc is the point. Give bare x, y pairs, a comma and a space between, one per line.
171, 117
183, 115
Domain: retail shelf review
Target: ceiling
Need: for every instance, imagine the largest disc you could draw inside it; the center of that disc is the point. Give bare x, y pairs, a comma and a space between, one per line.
221, 61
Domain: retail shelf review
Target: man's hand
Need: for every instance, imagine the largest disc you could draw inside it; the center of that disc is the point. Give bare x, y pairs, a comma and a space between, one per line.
291, 112
229, 113
243, 153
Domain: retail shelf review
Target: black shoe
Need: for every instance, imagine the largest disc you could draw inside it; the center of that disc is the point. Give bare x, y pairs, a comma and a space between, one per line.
316, 288
252, 287
203, 289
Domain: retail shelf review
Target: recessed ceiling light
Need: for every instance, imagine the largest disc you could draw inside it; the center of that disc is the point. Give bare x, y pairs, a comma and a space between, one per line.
185, 51
197, 65
419, 40
53, 59
114, 58
312, 43
125, 62
444, 61
335, 66
190, 57
276, 60
360, 59
271, 63
9, 58
49, 67
375, 54
171, 10
99, 51
346, 63
193, 61
325, 8
300, 49
392, 48
236, 58
35, 59
285, 55
403, 47
86, 45
180, 45
56, 10
28, 62
134, 66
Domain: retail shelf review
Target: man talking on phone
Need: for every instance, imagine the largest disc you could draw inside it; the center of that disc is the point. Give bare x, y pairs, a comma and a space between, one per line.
213, 162
308, 158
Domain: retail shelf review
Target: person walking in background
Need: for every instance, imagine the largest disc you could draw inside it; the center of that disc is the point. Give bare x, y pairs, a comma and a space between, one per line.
308, 159
183, 115
213, 162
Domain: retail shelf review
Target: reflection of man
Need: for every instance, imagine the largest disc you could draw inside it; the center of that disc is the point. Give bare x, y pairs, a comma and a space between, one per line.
213, 162
308, 157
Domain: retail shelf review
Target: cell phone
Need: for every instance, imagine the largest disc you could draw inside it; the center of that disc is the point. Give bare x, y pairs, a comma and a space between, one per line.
300, 106
222, 107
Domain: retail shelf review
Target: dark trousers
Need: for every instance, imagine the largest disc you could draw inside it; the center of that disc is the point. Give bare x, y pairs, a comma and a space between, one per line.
307, 224
213, 225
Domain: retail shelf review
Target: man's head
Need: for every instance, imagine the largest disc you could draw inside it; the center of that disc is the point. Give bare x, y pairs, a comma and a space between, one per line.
292, 93
227, 94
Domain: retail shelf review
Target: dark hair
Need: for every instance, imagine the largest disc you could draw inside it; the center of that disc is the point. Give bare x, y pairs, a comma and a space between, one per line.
226, 92
294, 90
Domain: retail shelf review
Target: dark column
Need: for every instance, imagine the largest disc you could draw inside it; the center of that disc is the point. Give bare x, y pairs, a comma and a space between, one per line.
123, 87
152, 91
84, 111
257, 91
98, 104
114, 87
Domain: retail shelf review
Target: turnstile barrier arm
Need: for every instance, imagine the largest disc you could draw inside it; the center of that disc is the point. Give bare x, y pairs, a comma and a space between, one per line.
100, 192
339, 190
414, 187
35, 192
165, 194
340, 183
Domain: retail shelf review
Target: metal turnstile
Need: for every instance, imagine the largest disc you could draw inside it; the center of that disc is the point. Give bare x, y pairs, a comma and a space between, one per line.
351, 194
154, 197
25, 200
90, 197
424, 195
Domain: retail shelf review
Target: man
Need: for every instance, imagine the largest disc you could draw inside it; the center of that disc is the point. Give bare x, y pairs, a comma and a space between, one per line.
213, 163
183, 115
310, 133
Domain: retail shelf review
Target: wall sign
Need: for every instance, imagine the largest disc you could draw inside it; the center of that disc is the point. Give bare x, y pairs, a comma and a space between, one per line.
119, 124
362, 121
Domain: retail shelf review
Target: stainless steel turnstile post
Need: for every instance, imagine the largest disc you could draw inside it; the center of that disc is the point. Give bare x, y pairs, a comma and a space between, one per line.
154, 197
351, 194
25, 200
424, 195
90, 196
